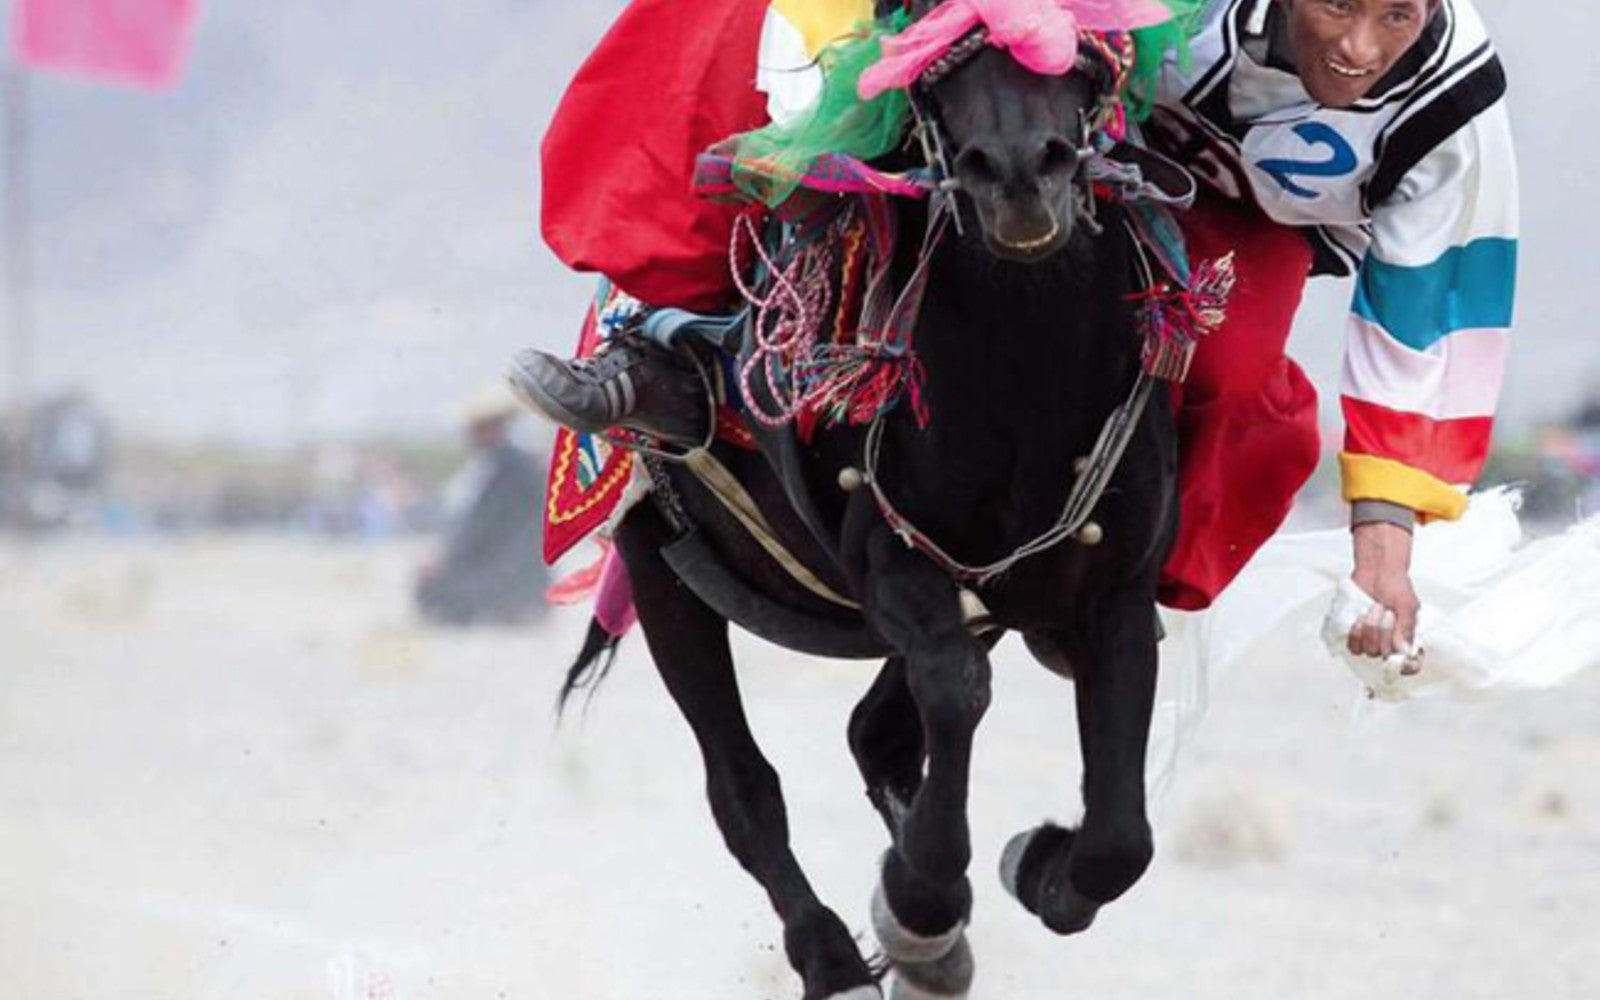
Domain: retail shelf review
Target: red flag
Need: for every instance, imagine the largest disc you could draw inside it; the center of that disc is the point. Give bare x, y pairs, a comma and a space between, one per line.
137, 42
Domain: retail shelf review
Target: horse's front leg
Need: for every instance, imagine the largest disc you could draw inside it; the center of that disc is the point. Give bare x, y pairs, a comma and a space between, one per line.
915, 607
924, 897
888, 743
1065, 876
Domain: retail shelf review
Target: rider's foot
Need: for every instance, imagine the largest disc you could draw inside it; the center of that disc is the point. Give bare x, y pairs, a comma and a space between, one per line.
629, 383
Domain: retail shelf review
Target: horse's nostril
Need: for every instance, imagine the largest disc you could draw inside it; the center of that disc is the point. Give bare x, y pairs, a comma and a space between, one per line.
977, 166
1056, 156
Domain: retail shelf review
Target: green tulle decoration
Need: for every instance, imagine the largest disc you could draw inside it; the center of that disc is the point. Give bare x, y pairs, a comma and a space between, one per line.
770, 162
1153, 45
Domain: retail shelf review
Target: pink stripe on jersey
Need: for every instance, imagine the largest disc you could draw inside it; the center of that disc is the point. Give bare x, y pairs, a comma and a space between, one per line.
1458, 377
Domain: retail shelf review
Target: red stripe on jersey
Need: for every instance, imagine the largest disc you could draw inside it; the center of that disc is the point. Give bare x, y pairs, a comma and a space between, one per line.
1452, 451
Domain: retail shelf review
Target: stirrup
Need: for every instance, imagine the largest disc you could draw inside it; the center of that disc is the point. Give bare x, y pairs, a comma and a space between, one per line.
639, 441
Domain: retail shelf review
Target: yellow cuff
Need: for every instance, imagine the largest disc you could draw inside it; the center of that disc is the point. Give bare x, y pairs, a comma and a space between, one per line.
1370, 478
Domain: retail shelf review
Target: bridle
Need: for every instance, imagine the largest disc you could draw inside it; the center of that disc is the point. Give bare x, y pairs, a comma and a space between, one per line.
1105, 60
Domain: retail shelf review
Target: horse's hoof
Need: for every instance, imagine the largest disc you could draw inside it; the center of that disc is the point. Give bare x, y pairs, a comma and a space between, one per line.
1024, 871
948, 977
1017, 848
904, 946
1069, 911
1011, 862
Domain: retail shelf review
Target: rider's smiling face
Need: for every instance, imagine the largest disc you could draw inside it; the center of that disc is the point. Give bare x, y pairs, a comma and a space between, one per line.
1342, 48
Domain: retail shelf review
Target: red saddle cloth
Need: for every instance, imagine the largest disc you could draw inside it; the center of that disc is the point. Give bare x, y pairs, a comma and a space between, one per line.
667, 82
589, 475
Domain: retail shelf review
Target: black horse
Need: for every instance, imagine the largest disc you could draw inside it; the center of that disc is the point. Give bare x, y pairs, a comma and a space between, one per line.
1030, 342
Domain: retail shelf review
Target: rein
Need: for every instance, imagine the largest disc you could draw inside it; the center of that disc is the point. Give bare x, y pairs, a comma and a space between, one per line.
1099, 57
1093, 475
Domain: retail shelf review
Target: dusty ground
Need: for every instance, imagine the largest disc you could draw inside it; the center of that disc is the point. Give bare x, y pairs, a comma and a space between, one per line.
236, 769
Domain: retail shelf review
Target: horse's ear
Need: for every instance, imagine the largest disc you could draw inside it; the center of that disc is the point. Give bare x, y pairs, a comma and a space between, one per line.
1176, 184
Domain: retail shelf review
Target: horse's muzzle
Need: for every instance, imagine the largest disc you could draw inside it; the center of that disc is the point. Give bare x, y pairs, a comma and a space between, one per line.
1025, 230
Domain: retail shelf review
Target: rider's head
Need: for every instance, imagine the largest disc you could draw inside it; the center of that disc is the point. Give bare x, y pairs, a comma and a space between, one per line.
1342, 48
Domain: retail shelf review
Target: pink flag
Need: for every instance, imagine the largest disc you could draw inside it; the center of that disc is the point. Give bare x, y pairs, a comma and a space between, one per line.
137, 42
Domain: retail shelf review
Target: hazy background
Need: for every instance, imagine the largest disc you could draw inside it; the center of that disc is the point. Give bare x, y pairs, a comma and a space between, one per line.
236, 763
330, 228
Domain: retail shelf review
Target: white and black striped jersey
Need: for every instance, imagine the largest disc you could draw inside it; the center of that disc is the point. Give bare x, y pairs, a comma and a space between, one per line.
1413, 190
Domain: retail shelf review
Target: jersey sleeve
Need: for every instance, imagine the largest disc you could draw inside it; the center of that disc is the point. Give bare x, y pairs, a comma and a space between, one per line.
1429, 329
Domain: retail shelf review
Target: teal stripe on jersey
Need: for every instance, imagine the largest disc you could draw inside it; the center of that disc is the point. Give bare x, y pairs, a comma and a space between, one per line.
1469, 288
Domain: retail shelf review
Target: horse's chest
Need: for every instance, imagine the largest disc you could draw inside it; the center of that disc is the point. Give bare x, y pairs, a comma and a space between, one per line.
984, 492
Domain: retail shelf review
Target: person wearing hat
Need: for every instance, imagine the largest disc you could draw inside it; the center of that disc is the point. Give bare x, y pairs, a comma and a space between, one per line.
486, 569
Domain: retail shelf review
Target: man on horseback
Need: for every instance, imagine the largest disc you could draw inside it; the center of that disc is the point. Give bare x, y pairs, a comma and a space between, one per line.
1344, 137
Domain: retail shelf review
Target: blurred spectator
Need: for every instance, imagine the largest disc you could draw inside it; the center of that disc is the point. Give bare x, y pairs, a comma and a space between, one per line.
1586, 429
487, 569
1588, 415
68, 455
71, 443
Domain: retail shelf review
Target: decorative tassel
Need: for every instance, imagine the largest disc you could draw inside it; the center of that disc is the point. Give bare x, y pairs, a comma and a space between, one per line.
1172, 320
853, 384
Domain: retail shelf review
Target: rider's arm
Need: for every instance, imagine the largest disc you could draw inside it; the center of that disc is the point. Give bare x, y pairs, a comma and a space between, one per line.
1429, 329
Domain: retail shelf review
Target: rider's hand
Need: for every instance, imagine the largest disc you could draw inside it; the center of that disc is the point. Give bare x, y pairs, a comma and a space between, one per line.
1383, 571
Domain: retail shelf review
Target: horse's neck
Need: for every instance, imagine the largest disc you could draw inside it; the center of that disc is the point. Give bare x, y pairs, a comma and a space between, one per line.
1047, 348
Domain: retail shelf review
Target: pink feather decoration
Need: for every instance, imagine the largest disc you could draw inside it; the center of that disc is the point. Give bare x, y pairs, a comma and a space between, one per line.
1042, 35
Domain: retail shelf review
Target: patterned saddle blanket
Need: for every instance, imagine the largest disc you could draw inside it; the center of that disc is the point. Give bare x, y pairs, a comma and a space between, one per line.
590, 473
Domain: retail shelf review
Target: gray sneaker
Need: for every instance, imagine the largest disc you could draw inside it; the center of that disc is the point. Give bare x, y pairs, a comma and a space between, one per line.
630, 384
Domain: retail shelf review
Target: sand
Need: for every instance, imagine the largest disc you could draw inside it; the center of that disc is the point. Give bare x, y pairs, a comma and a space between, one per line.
237, 768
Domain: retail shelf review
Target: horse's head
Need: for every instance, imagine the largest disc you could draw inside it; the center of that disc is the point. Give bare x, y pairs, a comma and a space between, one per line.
1016, 139
1017, 143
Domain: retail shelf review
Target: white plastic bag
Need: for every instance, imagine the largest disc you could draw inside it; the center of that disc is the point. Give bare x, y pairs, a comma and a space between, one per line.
1520, 619
1497, 617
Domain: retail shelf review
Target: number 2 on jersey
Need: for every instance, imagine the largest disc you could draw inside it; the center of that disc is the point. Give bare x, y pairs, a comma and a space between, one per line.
1341, 160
